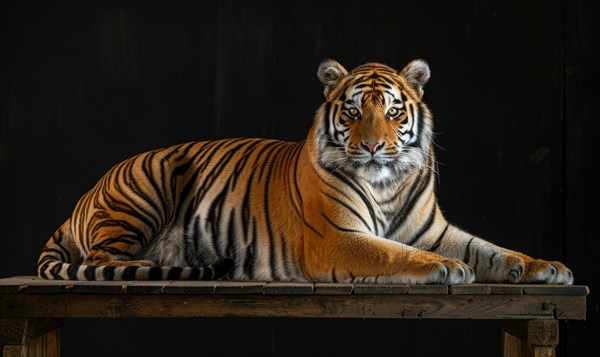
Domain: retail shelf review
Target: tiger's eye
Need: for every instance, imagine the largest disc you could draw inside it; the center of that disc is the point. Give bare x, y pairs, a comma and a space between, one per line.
393, 113
353, 112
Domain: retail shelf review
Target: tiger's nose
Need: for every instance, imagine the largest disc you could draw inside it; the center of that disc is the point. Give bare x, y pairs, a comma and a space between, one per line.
372, 146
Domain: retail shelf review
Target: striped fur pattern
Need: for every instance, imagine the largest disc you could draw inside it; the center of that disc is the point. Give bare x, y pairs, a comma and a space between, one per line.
354, 202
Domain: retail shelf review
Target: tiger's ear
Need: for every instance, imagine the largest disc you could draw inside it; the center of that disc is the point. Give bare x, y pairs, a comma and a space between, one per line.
330, 73
417, 73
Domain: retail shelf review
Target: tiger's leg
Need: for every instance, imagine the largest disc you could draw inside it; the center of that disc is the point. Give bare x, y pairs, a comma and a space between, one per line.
108, 259
493, 263
116, 244
357, 257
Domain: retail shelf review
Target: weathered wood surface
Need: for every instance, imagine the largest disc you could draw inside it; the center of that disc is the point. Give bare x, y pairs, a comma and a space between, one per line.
33, 297
32, 284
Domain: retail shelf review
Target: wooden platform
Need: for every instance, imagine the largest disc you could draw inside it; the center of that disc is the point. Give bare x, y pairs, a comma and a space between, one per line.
32, 310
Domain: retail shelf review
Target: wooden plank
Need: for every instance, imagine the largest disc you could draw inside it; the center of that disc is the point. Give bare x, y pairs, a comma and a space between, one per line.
19, 280
333, 288
146, 287
556, 290
103, 287
34, 284
363, 289
259, 305
428, 289
288, 288
506, 289
473, 289
239, 287
16, 283
191, 287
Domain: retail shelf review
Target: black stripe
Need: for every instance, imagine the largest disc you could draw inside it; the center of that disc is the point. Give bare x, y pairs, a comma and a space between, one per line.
215, 212
251, 252
231, 236
285, 257
72, 272
131, 205
195, 274
48, 256
108, 272
174, 273
256, 249
348, 207
155, 273
267, 213
246, 208
129, 273
313, 229
414, 193
204, 156
421, 120
295, 178
113, 250
148, 167
293, 163
357, 190
363, 85
90, 272
339, 228
213, 220
242, 162
327, 118
333, 275
492, 258
55, 270
125, 225
191, 236
403, 97
211, 272
438, 241
468, 252
424, 227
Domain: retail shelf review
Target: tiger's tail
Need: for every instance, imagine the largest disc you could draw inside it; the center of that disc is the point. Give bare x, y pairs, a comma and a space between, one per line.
61, 260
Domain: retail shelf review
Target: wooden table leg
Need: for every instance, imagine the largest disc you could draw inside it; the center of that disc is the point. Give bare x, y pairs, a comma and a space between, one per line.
31, 337
529, 338
11, 336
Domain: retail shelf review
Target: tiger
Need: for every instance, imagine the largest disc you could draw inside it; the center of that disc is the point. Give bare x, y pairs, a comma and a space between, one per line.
354, 202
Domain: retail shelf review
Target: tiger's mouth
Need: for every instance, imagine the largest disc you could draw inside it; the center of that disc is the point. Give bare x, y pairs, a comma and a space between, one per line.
373, 161
379, 169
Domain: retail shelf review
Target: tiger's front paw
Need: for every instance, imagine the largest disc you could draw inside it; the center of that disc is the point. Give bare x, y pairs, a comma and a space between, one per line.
451, 271
538, 271
519, 268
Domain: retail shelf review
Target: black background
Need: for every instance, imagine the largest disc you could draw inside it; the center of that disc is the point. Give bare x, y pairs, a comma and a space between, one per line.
514, 93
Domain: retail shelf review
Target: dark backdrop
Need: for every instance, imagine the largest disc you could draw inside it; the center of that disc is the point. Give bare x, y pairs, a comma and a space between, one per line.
514, 92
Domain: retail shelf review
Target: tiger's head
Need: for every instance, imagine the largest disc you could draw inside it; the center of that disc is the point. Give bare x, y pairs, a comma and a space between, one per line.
373, 124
